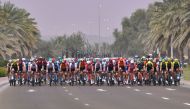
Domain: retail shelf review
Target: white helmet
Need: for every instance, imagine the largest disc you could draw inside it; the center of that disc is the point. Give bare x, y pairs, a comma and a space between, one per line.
88, 62
132, 61
23, 59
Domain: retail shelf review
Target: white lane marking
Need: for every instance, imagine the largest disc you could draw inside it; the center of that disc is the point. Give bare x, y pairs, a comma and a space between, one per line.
188, 104
128, 87
165, 98
66, 90
170, 89
86, 104
70, 94
4, 87
31, 90
76, 98
137, 90
101, 90
64, 87
149, 93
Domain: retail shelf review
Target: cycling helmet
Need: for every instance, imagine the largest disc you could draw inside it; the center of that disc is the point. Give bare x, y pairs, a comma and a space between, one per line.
132, 61
169, 59
163, 60
176, 60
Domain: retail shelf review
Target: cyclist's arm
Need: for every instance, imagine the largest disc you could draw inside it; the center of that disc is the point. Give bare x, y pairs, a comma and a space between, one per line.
95, 66
160, 66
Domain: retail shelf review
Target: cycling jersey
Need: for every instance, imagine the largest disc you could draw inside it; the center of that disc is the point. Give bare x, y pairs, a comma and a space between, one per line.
63, 66
149, 66
15, 67
82, 65
176, 65
121, 63
140, 66
132, 67
72, 66
20, 65
97, 66
169, 65
110, 66
56, 67
39, 64
33, 67
163, 65
50, 67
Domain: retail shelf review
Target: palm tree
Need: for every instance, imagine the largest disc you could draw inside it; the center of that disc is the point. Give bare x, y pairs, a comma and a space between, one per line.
170, 20
18, 30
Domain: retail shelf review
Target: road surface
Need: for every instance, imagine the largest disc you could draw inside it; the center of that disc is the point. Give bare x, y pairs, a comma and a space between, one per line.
94, 97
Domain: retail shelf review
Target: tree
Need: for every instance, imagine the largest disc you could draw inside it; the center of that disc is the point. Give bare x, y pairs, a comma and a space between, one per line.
169, 20
19, 33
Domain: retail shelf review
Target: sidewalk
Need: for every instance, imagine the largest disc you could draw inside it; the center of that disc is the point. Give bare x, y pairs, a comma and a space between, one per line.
3, 80
185, 82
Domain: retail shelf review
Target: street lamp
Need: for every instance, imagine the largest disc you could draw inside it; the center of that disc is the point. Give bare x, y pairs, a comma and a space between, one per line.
99, 21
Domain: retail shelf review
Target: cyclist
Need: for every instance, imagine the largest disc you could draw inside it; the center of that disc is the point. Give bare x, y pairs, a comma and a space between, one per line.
149, 71
20, 70
89, 69
44, 67
82, 67
9, 69
132, 69
63, 67
33, 69
121, 66
163, 69
155, 72
176, 70
98, 67
110, 75
140, 70
50, 70
170, 74
57, 69
39, 70
72, 68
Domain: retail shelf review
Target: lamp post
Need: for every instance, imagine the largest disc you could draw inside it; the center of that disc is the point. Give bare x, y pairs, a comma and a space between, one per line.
99, 22
171, 44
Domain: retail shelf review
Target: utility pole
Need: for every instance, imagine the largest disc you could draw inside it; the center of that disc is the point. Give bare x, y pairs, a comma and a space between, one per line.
171, 46
99, 22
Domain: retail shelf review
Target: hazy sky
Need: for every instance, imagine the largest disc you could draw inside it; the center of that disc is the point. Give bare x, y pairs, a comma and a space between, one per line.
57, 17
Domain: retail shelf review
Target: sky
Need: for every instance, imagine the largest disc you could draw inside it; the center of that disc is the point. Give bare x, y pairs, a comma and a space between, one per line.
58, 17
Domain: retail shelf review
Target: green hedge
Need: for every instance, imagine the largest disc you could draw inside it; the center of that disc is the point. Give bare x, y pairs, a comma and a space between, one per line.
186, 72
3, 63
3, 72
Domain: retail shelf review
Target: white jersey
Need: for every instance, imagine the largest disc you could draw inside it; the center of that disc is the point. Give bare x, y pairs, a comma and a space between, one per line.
96, 65
48, 65
32, 65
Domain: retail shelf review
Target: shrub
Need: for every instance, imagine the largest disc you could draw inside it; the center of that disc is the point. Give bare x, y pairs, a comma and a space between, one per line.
3, 63
3, 72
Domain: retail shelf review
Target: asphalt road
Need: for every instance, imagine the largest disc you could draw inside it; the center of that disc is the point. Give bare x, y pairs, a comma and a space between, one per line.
94, 97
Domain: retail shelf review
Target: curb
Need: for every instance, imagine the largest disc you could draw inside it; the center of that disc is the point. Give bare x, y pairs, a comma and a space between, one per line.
3, 81
185, 82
